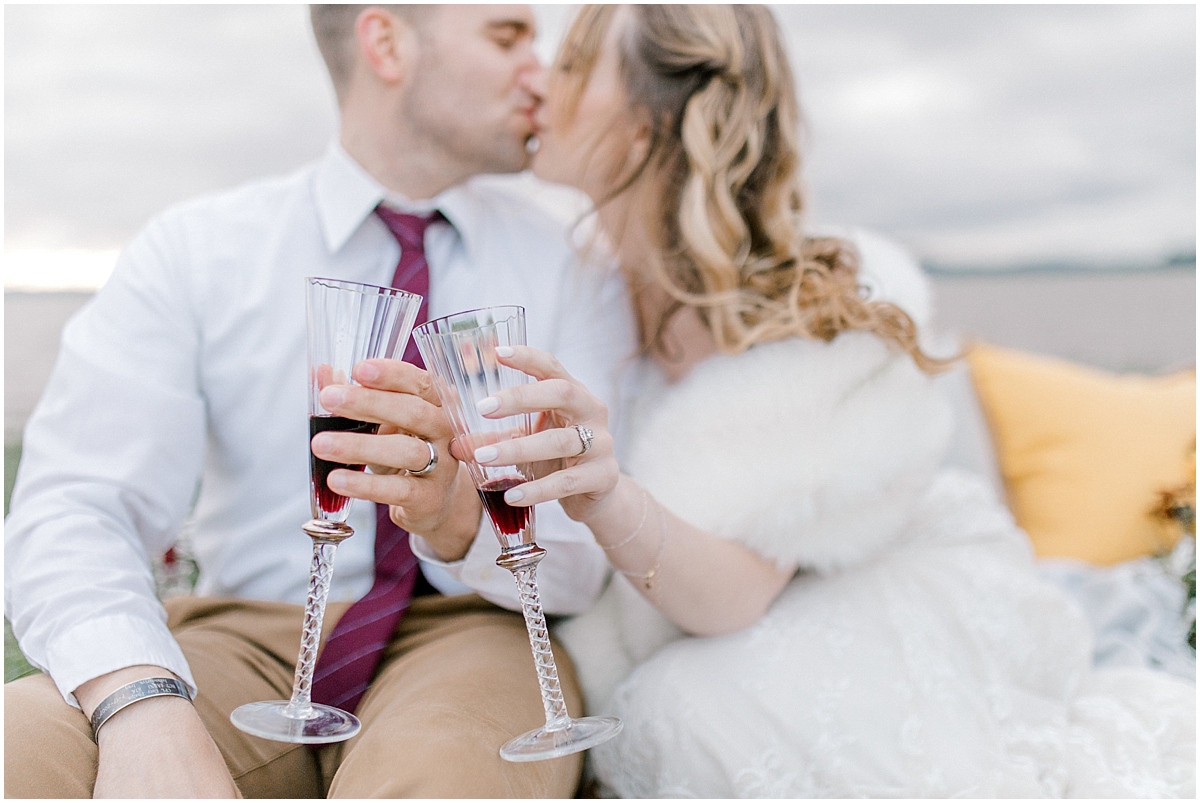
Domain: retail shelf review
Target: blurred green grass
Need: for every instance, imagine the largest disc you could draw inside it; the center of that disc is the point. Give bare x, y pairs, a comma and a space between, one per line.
15, 665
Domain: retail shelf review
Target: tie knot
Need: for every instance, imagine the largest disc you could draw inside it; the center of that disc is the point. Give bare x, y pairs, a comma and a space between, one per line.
409, 230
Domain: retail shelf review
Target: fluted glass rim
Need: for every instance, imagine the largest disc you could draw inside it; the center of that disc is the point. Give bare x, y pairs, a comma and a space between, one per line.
429, 328
360, 287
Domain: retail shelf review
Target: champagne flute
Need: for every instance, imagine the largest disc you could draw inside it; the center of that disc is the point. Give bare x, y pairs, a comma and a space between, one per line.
460, 354
348, 322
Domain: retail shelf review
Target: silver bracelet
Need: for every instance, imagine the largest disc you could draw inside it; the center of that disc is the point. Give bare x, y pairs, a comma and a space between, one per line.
645, 510
130, 693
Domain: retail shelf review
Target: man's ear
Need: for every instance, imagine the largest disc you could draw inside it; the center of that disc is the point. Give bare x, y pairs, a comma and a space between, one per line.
387, 43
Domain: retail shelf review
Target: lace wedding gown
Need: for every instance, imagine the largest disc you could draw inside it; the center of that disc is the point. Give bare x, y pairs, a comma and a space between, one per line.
943, 668
917, 653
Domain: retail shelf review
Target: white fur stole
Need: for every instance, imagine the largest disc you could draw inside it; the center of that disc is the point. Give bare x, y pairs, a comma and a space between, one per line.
810, 453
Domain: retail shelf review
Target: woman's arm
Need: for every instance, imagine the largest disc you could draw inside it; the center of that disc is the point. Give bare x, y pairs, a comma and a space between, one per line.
705, 584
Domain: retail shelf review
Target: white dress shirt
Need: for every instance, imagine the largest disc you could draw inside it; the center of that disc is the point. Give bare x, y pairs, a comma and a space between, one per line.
180, 392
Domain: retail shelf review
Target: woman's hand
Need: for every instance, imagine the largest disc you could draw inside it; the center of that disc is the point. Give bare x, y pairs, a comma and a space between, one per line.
441, 505
581, 479
705, 584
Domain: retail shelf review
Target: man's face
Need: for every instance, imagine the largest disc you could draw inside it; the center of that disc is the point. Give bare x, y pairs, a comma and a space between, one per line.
470, 94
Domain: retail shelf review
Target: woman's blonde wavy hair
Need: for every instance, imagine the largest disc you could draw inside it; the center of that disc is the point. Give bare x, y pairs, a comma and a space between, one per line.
724, 144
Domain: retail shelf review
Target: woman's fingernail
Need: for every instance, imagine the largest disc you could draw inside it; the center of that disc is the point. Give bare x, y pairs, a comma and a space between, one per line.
488, 405
320, 443
333, 396
504, 351
514, 495
336, 483
486, 454
367, 372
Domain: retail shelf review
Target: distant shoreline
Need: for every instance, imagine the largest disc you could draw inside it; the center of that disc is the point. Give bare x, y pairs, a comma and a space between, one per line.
1058, 268
933, 269
49, 291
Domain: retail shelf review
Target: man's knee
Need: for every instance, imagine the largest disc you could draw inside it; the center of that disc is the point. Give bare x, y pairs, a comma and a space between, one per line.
446, 706
48, 747
439, 752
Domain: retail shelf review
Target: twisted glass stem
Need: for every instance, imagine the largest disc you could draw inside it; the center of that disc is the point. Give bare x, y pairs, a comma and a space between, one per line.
539, 640
300, 706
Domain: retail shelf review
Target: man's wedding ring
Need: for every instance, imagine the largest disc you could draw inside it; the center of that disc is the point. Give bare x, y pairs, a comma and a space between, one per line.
431, 465
585, 438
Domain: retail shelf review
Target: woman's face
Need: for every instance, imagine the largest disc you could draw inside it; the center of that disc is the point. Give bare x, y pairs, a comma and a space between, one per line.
586, 147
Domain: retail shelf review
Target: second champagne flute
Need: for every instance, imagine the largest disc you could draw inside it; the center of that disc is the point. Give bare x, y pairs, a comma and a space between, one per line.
460, 354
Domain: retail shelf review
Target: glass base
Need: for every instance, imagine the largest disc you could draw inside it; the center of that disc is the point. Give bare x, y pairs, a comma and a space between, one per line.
275, 720
579, 734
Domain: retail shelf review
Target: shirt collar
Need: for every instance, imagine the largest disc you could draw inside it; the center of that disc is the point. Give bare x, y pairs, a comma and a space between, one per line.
346, 195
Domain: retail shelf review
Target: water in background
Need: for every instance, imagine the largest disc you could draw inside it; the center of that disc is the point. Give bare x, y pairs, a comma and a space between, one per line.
1142, 321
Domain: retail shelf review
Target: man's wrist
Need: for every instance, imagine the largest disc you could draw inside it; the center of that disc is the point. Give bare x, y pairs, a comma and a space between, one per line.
454, 548
150, 715
462, 525
136, 692
92, 693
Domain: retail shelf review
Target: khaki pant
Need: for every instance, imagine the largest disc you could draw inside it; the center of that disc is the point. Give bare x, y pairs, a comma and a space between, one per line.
457, 681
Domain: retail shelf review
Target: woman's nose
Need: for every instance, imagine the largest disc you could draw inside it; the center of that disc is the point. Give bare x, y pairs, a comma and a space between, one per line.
535, 81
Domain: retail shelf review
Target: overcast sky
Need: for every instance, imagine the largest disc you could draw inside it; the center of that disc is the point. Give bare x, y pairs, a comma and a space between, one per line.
978, 135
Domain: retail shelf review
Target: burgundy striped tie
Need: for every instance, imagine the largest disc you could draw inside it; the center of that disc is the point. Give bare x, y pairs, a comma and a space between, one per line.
350, 657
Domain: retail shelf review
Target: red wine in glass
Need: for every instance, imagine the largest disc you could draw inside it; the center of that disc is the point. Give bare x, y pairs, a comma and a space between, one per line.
508, 519
328, 501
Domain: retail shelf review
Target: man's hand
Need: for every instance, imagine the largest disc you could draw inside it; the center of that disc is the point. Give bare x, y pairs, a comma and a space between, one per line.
441, 506
154, 748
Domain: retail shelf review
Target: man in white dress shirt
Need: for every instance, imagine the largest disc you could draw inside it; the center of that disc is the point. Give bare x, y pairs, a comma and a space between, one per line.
179, 394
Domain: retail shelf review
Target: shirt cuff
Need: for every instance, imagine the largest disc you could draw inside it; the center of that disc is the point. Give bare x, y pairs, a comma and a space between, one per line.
446, 577
477, 572
104, 645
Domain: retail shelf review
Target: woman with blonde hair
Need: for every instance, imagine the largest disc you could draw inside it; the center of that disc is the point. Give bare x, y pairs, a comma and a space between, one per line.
804, 605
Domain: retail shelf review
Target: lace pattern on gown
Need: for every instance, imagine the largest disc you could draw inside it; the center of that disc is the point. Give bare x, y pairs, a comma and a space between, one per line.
945, 668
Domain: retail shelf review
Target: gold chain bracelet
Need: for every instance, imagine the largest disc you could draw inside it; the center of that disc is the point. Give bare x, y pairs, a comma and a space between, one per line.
648, 578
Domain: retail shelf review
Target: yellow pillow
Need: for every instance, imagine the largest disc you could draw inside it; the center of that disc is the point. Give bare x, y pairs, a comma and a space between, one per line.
1085, 453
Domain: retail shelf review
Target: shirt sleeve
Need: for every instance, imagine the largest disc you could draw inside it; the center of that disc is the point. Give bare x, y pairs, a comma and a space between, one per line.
111, 460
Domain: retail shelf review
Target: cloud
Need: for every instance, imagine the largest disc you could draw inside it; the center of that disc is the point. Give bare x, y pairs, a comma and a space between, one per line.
113, 112
1011, 132
978, 134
